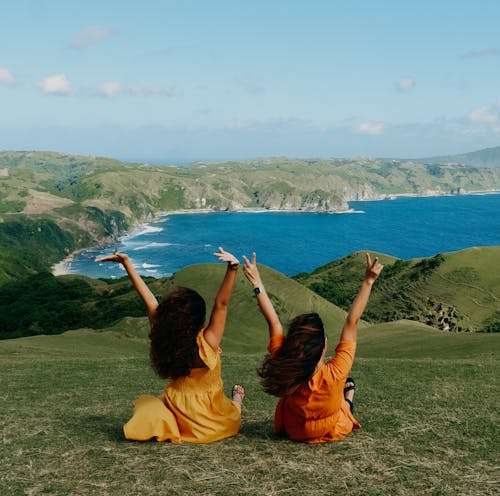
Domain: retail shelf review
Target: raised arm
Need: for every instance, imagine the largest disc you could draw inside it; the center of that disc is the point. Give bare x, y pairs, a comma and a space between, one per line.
215, 329
266, 307
144, 292
350, 329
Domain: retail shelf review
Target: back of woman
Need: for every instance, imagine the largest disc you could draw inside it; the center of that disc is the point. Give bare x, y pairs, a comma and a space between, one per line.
193, 407
315, 402
317, 411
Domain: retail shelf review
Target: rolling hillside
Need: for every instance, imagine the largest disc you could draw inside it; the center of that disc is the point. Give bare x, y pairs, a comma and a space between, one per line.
246, 327
454, 292
488, 157
61, 185
44, 304
54, 203
457, 291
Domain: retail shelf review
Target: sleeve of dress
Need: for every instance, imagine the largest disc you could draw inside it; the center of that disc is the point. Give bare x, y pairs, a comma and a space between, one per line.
275, 343
341, 363
206, 352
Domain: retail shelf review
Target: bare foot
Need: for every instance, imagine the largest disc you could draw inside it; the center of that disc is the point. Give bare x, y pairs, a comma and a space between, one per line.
238, 394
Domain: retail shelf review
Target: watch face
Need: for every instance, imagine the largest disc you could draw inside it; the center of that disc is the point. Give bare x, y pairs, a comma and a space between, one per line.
256, 291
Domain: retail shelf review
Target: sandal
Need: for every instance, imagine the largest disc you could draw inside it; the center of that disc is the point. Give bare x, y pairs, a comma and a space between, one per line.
238, 394
351, 387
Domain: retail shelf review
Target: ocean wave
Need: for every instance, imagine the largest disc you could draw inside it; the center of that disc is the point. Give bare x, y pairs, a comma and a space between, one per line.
154, 244
350, 211
142, 230
149, 266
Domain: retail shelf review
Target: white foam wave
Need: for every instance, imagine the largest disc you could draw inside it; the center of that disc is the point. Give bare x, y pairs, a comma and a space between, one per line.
350, 211
148, 229
149, 266
142, 230
154, 244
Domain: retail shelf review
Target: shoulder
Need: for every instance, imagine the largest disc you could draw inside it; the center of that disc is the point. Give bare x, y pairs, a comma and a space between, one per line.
207, 354
275, 343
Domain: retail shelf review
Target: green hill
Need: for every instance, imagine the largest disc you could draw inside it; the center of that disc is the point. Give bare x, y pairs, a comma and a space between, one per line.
246, 327
57, 203
457, 291
44, 304
453, 291
488, 157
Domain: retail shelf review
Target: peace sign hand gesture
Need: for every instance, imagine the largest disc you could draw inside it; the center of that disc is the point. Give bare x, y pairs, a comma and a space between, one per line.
373, 269
251, 271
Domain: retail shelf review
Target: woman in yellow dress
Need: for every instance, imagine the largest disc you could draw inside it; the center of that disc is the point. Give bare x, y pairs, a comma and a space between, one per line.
193, 407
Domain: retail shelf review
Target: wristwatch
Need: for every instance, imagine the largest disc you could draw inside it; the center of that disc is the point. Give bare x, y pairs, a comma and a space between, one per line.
257, 290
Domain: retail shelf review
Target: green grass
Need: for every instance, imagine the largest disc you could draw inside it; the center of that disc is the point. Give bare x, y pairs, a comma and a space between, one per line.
44, 304
246, 327
428, 403
458, 289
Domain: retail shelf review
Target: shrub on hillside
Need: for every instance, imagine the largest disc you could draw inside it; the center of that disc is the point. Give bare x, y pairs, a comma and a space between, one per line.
45, 304
492, 323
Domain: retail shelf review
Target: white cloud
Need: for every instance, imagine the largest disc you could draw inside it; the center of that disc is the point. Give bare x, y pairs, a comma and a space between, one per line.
406, 84
372, 128
6, 77
109, 89
55, 85
487, 114
91, 36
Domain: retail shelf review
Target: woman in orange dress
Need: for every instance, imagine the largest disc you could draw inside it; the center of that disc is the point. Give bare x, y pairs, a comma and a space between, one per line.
193, 407
315, 398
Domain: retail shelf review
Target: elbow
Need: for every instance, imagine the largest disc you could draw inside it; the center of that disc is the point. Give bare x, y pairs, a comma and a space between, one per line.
221, 304
275, 326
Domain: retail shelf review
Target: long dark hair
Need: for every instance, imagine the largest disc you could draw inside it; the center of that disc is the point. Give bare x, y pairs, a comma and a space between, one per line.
179, 318
295, 362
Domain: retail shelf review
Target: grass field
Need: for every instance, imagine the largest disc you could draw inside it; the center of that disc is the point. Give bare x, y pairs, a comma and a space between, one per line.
428, 403
460, 285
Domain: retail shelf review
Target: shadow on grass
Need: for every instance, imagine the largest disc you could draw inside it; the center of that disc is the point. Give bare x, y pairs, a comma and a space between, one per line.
258, 429
109, 426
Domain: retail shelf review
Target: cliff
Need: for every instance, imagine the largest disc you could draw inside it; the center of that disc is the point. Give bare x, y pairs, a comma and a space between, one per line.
91, 200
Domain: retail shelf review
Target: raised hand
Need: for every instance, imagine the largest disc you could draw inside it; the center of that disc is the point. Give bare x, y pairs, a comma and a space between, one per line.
144, 292
265, 304
225, 256
251, 271
116, 257
373, 269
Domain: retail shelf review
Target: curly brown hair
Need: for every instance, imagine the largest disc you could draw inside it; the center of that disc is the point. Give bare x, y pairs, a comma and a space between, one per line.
295, 362
178, 319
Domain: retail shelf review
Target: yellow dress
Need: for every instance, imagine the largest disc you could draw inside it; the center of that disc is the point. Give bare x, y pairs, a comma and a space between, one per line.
192, 409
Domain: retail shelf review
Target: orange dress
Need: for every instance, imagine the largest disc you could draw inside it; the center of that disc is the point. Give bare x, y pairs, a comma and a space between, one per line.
193, 408
317, 412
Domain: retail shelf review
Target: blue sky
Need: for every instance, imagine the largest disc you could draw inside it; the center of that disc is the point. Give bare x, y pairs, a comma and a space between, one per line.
184, 80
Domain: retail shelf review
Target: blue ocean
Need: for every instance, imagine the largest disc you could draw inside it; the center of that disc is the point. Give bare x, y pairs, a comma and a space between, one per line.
405, 227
